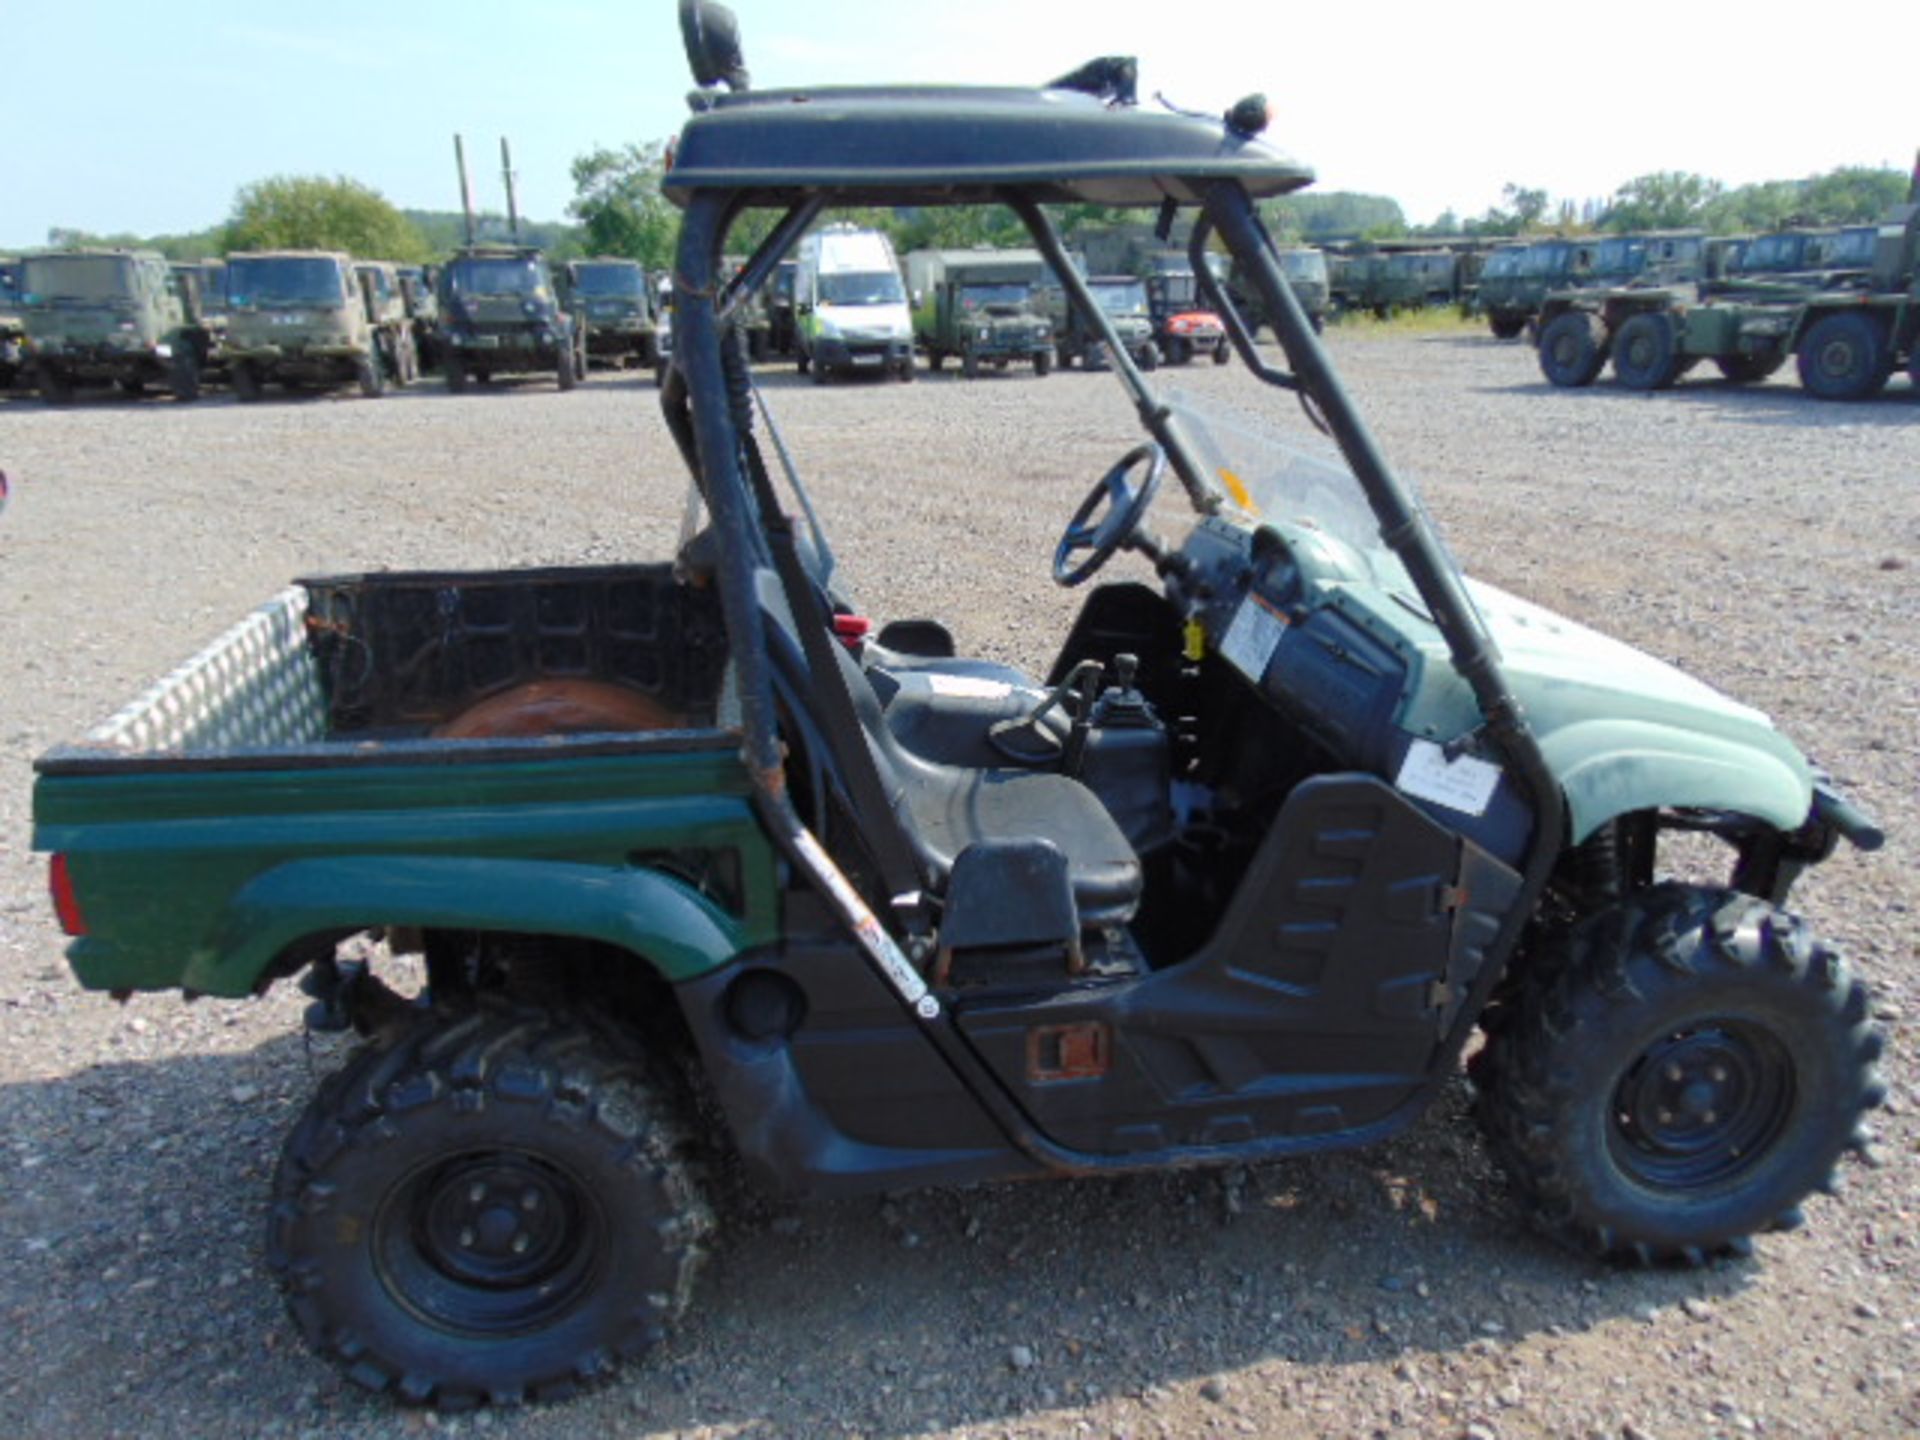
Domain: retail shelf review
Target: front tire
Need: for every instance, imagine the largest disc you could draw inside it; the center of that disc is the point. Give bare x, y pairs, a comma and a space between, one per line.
1697, 1065
371, 374
495, 1206
1573, 348
1043, 362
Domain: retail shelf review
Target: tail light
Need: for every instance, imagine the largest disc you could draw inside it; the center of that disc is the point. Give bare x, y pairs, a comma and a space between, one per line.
66, 904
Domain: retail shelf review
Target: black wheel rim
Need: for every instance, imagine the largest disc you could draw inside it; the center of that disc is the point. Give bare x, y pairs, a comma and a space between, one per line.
490, 1243
1702, 1105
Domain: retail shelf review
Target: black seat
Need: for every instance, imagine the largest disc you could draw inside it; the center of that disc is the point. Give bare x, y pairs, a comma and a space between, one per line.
946, 808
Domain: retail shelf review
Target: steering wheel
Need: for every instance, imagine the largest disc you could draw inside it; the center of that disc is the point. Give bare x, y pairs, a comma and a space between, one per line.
1126, 507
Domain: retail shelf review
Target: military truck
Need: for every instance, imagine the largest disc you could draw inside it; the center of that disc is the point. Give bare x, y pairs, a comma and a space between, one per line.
301, 319
108, 317
392, 313
779, 301
979, 306
499, 316
754, 320
1516, 279
1183, 325
613, 299
703, 869
1847, 329
203, 286
1129, 320
1382, 281
1307, 273
423, 309
13, 333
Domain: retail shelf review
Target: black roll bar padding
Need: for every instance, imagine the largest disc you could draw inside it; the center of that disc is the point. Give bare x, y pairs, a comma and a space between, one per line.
717, 470
1154, 415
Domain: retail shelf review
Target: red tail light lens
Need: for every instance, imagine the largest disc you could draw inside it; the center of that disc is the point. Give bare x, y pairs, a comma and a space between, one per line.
65, 903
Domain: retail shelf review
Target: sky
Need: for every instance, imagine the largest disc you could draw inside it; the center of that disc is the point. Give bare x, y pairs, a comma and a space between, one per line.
132, 116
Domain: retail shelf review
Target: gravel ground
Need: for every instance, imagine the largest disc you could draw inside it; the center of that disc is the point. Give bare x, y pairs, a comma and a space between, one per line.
1768, 542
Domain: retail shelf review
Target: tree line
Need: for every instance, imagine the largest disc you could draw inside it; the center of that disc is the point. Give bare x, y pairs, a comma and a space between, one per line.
619, 208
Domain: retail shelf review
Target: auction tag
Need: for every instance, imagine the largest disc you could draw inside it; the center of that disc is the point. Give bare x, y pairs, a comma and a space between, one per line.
1464, 784
1253, 637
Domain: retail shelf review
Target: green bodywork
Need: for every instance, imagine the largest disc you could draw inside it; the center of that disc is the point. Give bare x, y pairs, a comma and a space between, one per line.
200, 878
1621, 731
978, 302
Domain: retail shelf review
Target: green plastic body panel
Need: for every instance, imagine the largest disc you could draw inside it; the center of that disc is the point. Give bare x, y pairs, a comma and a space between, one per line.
1620, 730
198, 878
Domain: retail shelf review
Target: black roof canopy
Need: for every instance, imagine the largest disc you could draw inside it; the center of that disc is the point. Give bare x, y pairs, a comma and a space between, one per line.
955, 145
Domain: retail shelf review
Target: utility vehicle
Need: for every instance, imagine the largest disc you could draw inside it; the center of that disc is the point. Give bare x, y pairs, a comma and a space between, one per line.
850, 307
1123, 298
699, 862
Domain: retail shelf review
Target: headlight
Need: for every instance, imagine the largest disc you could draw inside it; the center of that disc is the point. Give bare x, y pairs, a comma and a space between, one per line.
983, 333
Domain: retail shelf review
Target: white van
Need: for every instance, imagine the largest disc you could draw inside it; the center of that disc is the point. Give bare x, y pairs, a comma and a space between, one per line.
849, 307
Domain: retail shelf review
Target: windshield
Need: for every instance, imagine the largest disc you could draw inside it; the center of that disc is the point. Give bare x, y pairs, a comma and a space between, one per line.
877, 287
9, 285
288, 280
213, 289
1120, 297
1303, 265
1773, 252
979, 297
495, 277
1621, 257
1175, 289
629, 281
48, 279
1851, 247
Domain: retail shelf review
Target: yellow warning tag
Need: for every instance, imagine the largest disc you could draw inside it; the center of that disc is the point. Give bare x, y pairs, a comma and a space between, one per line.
1195, 636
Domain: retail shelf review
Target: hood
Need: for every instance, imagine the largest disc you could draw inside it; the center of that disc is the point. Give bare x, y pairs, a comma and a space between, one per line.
1620, 729
865, 322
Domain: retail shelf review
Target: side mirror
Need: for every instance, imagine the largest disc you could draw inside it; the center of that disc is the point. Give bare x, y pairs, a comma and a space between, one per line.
712, 38
918, 299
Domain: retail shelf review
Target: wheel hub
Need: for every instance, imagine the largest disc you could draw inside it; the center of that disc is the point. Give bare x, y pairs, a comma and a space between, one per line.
1836, 359
489, 1243
1701, 1104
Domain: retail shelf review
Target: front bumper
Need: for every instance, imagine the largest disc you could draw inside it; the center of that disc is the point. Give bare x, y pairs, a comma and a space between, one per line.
839, 354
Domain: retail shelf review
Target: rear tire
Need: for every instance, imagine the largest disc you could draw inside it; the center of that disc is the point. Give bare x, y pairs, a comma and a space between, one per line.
970, 365
455, 372
247, 387
564, 373
1646, 352
1844, 357
903, 372
494, 1206
1506, 327
372, 377
133, 387
1573, 348
1221, 354
1043, 362
1150, 357
1698, 1063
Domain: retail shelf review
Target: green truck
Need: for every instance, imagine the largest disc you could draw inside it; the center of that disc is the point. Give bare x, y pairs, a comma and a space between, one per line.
301, 319
1849, 325
500, 315
979, 307
613, 299
1123, 300
1309, 276
703, 868
108, 317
